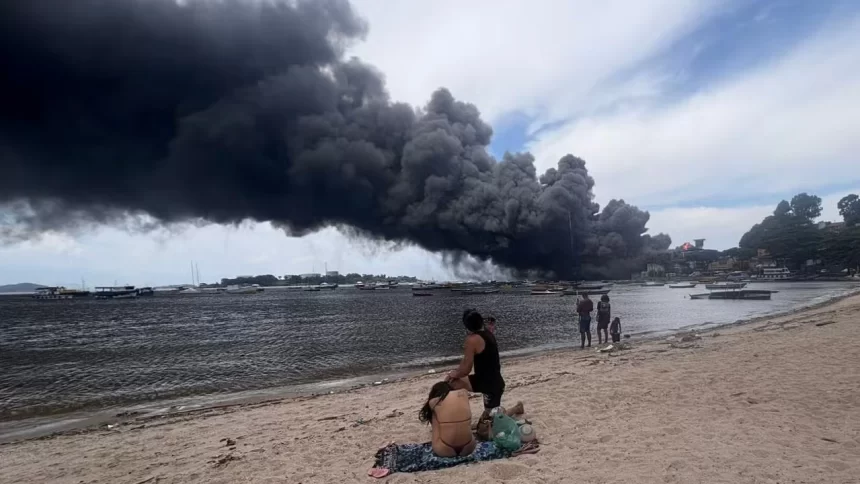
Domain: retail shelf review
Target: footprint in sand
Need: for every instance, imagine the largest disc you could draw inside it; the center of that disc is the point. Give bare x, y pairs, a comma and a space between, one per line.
504, 472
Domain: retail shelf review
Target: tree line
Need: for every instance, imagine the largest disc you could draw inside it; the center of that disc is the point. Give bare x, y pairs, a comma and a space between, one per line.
791, 235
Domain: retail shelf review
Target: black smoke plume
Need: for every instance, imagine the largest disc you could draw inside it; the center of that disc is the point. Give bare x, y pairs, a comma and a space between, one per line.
125, 111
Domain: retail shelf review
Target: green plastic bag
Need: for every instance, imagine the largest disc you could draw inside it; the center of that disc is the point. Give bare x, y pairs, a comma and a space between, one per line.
506, 433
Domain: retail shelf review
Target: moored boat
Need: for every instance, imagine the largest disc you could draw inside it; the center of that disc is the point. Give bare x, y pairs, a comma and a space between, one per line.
746, 294
116, 292
236, 289
725, 285
547, 292
682, 285
51, 293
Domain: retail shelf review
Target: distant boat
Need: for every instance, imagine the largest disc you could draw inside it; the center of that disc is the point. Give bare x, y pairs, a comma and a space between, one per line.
683, 285
745, 294
358, 285
145, 292
547, 293
116, 292
427, 287
590, 287
725, 285
236, 289
328, 286
51, 293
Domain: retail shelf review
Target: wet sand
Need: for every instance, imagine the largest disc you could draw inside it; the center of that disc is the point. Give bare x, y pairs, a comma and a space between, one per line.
775, 400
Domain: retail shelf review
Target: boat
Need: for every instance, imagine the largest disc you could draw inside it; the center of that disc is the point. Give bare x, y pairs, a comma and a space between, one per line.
312, 289
772, 274
383, 287
653, 284
682, 285
73, 292
725, 285
116, 292
328, 286
367, 287
421, 294
589, 287
358, 285
746, 294
585, 292
50, 293
236, 289
753, 294
145, 292
427, 287
547, 292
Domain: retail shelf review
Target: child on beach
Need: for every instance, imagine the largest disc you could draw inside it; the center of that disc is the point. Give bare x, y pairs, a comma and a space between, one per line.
615, 330
603, 316
490, 324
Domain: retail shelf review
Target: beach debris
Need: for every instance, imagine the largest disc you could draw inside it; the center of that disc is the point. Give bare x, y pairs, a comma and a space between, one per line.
825, 323
341, 429
394, 414
127, 414
332, 417
230, 443
431, 372
738, 394
377, 383
360, 421
829, 440
671, 338
607, 349
223, 460
752, 401
714, 335
690, 337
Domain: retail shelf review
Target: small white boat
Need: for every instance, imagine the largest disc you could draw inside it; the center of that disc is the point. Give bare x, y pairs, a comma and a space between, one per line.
235, 289
683, 285
547, 293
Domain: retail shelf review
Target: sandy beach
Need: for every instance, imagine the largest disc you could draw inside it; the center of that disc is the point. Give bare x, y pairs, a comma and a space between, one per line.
775, 400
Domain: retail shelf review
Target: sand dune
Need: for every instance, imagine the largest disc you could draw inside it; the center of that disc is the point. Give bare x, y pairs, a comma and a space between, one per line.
776, 400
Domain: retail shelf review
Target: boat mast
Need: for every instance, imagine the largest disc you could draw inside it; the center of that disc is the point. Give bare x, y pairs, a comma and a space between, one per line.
192, 274
197, 268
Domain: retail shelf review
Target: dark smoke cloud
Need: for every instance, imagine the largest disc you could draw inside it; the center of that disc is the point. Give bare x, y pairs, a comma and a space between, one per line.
125, 111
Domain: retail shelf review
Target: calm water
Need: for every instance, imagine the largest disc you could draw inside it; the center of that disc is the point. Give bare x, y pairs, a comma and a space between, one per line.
60, 356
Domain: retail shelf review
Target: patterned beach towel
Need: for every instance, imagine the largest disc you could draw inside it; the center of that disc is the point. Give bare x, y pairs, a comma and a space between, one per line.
420, 457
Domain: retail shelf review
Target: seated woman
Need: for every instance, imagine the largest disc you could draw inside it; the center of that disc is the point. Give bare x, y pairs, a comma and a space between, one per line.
447, 410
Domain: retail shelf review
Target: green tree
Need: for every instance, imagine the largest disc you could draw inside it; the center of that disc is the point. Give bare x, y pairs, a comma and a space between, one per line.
849, 208
806, 206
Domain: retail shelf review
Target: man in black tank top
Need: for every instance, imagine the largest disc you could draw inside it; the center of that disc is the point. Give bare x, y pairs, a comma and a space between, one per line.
481, 352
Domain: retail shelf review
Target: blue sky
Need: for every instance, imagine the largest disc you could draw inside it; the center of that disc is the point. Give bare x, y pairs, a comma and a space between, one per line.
704, 112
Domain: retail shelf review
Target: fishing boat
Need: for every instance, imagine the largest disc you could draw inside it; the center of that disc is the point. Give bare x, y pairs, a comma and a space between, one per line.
51, 293
325, 285
359, 285
145, 292
116, 292
653, 284
682, 285
725, 285
427, 287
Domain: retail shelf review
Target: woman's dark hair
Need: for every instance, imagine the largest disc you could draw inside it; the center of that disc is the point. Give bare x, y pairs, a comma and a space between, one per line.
604, 298
472, 320
440, 391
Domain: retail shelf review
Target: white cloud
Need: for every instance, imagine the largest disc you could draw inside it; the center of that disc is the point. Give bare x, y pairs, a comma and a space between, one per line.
540, 57
786, 126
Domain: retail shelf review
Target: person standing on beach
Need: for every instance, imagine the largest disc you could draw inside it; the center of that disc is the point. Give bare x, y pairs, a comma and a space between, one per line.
584, 309
603, 317
481, 352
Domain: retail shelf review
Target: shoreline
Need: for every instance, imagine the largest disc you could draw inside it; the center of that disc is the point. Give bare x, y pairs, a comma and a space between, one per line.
89, 420
775, 399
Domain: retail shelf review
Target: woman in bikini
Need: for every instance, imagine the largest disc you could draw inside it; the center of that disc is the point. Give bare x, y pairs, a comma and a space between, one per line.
448, 412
